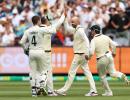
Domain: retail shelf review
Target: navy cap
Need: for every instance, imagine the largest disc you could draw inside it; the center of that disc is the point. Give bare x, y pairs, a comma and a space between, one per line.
95, 28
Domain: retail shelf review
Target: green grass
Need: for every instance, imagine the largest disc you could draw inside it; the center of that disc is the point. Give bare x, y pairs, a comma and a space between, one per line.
21, 91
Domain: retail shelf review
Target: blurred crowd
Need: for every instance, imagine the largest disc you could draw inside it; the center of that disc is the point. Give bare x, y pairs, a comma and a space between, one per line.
112, 15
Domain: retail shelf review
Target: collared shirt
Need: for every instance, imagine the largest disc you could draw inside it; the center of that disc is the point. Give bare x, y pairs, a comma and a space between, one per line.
46, 40
100, 44
81, 42
35, 35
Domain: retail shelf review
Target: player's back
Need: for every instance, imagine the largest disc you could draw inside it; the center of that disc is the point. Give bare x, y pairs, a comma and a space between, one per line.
102, 44
35, 38
47, 39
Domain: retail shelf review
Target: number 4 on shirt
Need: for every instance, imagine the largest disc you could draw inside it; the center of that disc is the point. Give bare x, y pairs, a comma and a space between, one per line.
34, 40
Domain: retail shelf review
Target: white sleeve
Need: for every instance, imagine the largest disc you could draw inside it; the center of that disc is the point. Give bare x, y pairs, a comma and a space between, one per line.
47, 30
112, 46
24, 39
68, 28
60, 21
92, 48
85, 38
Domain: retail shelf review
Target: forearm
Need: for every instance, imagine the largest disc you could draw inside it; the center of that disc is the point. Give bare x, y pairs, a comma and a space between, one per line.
113, 46
60, 21
114, 25
92, 49
114, 50
25, 48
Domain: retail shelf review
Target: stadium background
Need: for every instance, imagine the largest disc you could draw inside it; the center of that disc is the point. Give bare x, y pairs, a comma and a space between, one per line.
15, 18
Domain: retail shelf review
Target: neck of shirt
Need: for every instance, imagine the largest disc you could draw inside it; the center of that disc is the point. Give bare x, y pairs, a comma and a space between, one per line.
98, 35
78, 26
43, 25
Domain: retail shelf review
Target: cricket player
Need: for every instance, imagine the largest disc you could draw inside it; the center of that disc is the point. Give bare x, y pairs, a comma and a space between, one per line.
34, 37
101, 45
47, 49
81, 54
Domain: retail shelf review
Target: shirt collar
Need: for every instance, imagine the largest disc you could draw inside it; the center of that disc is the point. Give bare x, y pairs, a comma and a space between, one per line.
79, 26
35, 26
43, 25
98, 35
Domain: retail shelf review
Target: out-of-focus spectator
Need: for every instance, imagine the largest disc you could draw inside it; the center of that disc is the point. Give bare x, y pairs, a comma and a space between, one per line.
21, 28
98, 19
8, 36
58, 38
85, 18
2, 30
16, 18
106, 13
91, 13
79, 4
103, 2
110, 28
68, 40
128, 9
117, 4
72, 10
28, 13
105, 16
43, 8
15, 4
121, 23
128, 14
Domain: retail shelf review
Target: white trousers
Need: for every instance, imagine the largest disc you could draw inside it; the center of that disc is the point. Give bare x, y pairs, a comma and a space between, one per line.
78, 61
37, 66
104, 65
49, 74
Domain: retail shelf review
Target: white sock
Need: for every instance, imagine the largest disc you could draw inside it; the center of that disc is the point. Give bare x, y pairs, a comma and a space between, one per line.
105, 84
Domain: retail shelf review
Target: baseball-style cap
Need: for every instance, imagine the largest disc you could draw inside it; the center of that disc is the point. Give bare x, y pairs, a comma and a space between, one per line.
95, 27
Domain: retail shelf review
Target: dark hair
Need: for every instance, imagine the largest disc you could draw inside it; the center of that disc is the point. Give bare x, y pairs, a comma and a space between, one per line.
1, 1
44, 20
35, 19
89, 8
71, 2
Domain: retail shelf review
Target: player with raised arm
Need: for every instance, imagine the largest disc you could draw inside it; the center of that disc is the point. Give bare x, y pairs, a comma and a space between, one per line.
81, 54
46, 22
47, 48
34, 37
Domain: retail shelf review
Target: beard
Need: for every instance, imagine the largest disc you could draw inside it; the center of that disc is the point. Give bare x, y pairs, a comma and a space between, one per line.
90, 35
74, 25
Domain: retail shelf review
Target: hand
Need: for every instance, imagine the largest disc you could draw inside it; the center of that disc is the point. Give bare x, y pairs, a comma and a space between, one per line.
65, 13
114, 55
26, 52
116, 26
125, 27
65, 10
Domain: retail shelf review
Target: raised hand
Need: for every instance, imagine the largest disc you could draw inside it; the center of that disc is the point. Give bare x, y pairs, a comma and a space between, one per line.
65, 12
